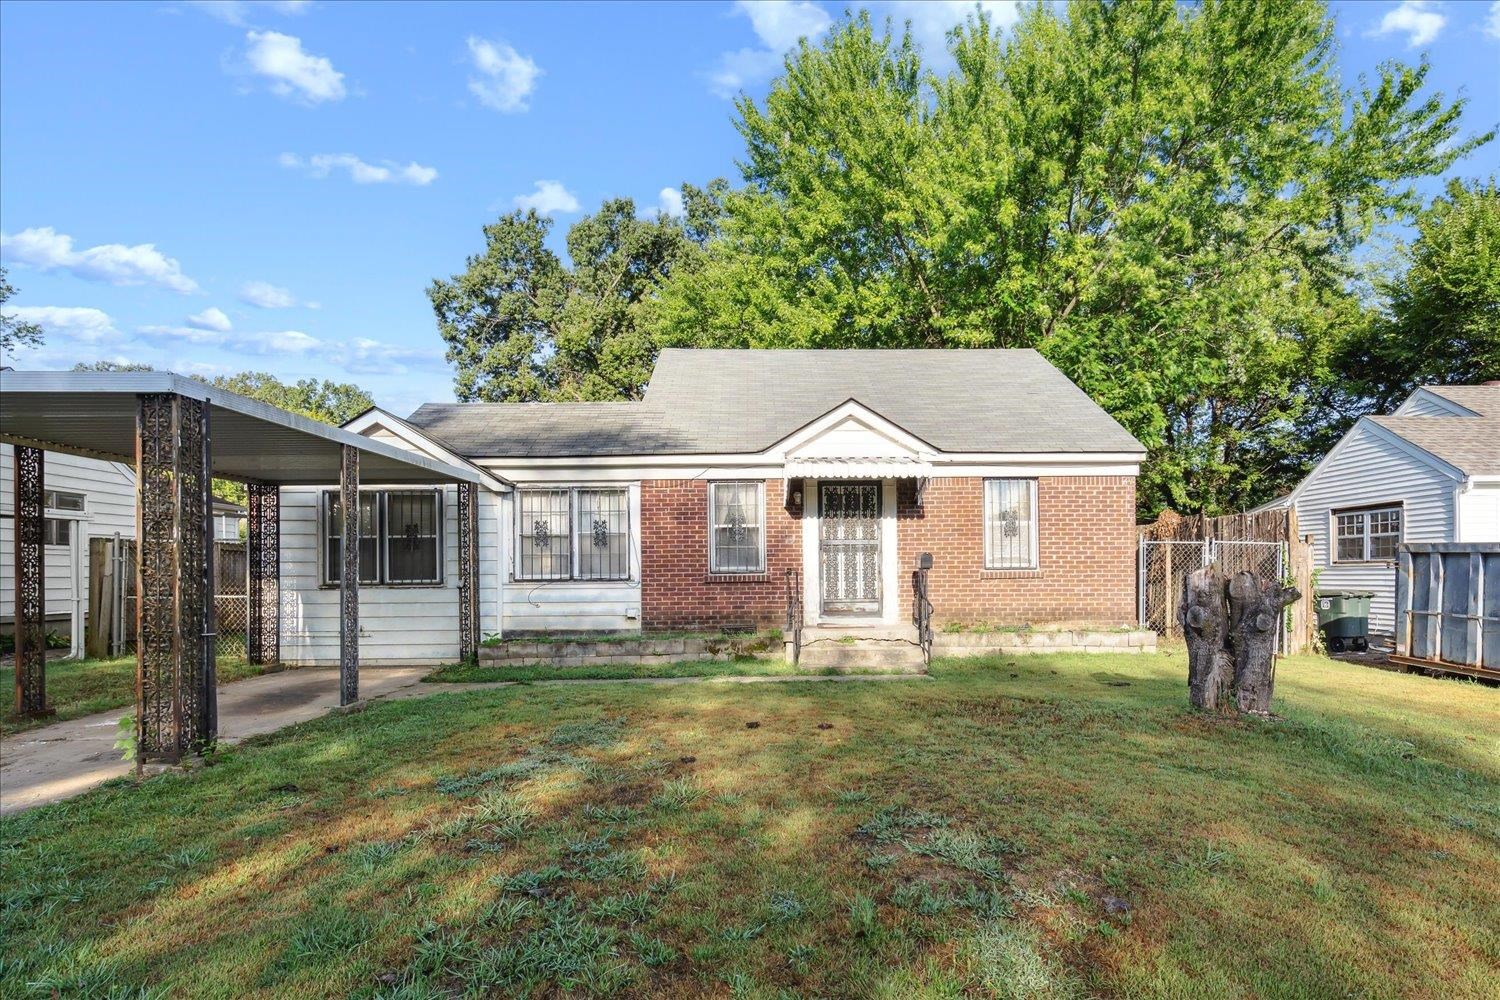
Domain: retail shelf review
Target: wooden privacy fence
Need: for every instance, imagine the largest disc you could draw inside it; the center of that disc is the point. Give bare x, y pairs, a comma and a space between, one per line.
1265, 542
1448, 607
110, 628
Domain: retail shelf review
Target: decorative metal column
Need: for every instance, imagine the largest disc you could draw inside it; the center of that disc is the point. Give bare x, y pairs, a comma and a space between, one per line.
263, 548
31, 590
349, 577
468, 572
176, 705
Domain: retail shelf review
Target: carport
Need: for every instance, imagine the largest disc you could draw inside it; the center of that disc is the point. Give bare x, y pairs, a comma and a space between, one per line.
180, 434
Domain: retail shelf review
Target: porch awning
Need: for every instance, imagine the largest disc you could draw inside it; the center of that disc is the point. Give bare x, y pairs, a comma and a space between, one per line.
857, 468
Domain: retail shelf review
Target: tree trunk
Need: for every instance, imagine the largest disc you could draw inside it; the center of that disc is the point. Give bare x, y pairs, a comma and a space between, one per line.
1205, 626
1255, 608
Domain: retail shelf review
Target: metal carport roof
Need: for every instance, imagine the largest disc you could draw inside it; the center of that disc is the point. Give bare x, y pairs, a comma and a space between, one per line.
94, 414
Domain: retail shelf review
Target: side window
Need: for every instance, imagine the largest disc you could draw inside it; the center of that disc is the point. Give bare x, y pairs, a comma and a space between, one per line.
1010, 524
544, 547
736, 527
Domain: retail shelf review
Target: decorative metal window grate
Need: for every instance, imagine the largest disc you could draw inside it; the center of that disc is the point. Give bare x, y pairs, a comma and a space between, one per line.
575, 533
1010, 524
400, 537
737, 537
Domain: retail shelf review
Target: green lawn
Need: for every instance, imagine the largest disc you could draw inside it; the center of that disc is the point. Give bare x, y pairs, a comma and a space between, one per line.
460, 673
83, 687
1044, 826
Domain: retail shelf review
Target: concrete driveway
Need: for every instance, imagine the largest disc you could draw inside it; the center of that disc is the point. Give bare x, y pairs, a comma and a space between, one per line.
66, 759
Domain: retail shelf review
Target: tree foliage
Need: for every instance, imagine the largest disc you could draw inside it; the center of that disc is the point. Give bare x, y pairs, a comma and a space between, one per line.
1166, 200
14, 332
1440, 321
522, 324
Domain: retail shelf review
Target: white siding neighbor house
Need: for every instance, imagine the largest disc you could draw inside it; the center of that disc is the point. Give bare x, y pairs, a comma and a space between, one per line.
86, 498
1430, 472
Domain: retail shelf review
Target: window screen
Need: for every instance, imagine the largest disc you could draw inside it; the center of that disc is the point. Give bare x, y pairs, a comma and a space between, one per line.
1010, 524
603, 534
737, 538
544, 549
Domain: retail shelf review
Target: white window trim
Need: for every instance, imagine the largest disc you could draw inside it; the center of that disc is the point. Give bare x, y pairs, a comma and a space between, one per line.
1036, 518
1364, 513
713, 556
572, 490
327, 578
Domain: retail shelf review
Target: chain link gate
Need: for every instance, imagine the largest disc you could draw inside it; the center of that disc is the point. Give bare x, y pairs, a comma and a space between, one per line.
1164, 564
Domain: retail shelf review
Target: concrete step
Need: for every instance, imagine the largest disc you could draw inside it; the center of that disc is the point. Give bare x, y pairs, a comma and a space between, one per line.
886, 648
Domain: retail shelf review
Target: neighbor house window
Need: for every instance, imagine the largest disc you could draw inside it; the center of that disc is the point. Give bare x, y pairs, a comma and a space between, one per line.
56, 531
1367, 535
400, 537
58, 500
574, 533
736, 521
1010, 530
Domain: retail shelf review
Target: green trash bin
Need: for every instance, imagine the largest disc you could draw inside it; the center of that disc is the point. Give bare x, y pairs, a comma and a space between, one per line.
1344, 617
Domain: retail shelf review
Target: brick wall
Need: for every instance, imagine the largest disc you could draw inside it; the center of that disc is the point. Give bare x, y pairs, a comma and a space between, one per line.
1086, 561
677, 591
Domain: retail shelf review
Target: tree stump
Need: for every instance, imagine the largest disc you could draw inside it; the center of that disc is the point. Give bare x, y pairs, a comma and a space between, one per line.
1255, 610
1206, 627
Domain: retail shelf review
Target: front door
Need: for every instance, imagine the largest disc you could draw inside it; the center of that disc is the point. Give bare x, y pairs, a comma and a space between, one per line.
849, 547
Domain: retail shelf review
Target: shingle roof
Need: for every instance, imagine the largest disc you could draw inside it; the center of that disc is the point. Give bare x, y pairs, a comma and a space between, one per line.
1482, 399
739, 401
1469, 444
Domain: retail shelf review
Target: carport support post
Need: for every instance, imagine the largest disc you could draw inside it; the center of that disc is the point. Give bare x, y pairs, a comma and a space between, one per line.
349, 576
263, 547
176, 705
30, 582
468, 573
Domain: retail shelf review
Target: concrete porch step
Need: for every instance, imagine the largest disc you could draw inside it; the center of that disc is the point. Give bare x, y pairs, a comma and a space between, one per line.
883, 648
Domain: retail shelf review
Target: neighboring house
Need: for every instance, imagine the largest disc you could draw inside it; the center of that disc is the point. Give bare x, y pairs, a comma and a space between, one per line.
1430, 472
687, 510
86, 497
229, 520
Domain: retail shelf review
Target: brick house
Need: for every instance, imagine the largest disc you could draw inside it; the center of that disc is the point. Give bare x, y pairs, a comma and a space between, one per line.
744, 471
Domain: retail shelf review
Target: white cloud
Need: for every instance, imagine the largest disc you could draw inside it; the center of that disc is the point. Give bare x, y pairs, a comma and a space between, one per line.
778, 24
47, 250
357, 356
506, 78
1417, 19
265, 295
387, 172
1492, 23
669, 202
237, 12
549, 198
931, 20
292, 72
211, 318
76, 323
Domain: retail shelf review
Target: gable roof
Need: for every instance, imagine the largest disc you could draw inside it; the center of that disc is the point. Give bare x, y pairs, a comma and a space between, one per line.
1483, 400
746, 401
1469, 443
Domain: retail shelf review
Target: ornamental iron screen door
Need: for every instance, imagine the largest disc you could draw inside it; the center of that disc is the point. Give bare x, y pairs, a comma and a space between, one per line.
849, 547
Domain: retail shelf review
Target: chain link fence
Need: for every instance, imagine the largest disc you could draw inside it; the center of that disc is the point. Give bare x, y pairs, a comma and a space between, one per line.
1164, 564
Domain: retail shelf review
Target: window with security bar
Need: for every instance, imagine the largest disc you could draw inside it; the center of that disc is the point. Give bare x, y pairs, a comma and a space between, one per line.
400, 537
1010, 524
1367, 535
577, 533
737, 518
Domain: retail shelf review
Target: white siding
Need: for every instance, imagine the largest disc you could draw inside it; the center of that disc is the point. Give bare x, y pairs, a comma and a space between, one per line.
1479, 513
110, 507
573, 605
398, 625
1422, 403
1365, 469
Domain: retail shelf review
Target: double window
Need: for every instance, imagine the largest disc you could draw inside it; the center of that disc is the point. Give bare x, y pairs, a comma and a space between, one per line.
573, 533
400, 537
736, 527
1367, 535
1010, 524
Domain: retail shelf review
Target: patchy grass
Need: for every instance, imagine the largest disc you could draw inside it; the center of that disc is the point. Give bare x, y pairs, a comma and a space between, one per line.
532, 638
459, 673
1044, 826
82, 687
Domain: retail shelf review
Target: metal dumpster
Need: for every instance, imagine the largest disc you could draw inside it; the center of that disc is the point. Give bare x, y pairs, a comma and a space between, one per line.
1344, 617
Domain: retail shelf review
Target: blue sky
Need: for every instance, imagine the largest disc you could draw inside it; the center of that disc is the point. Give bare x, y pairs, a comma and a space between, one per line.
210, 187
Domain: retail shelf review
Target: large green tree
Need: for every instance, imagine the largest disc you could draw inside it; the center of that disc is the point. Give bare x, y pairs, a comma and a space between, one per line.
1440, 317
14, 332
1164, 199
523, 324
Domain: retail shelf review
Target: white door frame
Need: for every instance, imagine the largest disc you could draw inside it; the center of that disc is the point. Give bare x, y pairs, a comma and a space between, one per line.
812, 591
